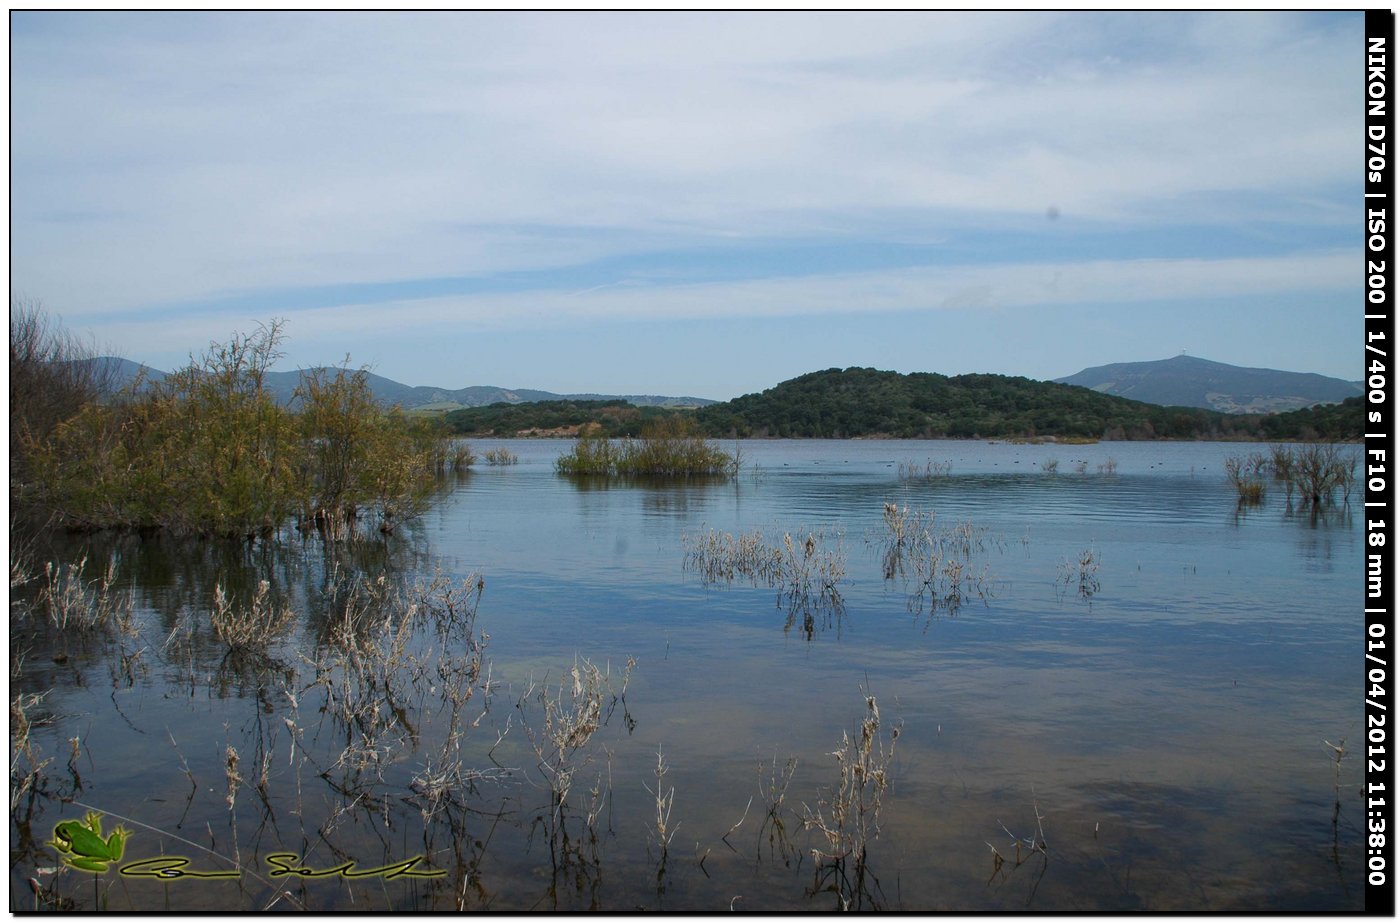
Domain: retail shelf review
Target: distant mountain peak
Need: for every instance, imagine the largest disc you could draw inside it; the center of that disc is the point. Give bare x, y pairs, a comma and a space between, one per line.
1190, 381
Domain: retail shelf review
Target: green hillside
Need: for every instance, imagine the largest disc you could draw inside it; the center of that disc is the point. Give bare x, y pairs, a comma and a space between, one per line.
864, 402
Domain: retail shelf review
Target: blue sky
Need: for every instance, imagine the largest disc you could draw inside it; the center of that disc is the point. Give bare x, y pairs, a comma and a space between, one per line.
702, 204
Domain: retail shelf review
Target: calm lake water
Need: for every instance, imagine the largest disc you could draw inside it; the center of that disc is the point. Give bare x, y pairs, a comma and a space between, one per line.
1154, 735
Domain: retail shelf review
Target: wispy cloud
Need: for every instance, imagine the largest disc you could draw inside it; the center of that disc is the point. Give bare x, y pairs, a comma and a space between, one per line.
181, 159
1038, 285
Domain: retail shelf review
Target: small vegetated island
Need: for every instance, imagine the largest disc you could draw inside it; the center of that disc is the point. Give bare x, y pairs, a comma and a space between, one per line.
866, 403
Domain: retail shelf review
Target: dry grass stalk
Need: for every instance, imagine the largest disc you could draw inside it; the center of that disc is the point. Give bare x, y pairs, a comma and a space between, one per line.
662, 828
231, 776
572, 713
26, 766
1081, 572
252, 628
84, 606
501, 456
849, 818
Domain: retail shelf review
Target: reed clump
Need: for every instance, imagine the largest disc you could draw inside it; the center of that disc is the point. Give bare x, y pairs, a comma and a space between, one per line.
250, 628
396, 656
571, 713
668, 447
1317, 472
806, 575
913, 472
936, 562
74, 603
501, 457
1081, 573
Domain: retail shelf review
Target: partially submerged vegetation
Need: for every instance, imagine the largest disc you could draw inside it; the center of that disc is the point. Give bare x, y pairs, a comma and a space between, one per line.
501, 457
1318, 473
913, 472
208, 450
935, 563
806, 575
670, 447
848, 818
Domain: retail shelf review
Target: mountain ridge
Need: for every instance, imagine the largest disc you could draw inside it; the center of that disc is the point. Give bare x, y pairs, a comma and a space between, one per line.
283, 384
1189, 381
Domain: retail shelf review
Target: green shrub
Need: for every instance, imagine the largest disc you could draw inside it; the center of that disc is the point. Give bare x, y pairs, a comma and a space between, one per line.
669, 447
209, 451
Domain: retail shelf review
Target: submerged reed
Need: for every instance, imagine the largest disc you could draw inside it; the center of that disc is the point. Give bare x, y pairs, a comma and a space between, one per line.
911, 471
806, 575
936, 562
501, 456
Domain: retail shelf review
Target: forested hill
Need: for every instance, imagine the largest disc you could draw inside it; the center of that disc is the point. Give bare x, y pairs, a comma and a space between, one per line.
858, 402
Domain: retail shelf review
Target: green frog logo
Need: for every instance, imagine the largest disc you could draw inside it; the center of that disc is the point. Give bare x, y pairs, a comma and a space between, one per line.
81, 846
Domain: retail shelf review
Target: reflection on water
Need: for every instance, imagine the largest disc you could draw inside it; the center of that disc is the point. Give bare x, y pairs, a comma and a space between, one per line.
1154, 742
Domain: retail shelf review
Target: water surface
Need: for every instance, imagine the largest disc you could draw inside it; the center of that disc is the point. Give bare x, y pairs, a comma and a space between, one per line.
1158, 733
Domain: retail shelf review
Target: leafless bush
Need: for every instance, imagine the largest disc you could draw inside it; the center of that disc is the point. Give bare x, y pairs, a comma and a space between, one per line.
250, 628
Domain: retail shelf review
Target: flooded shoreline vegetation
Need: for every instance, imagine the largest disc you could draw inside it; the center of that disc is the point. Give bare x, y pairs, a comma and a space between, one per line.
1246, 475
670, 447
52, 377
935, 564
208, 451
403, 714
501, 456
910, 471
1317, 472
806, 575
1081, 572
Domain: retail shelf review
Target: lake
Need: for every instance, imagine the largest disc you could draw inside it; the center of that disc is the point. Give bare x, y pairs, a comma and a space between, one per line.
1102, 687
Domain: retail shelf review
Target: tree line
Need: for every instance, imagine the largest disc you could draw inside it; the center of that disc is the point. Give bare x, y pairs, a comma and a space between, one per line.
865, 403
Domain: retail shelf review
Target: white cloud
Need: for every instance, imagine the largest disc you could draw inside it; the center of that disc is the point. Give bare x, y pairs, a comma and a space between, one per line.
1132, 284
159, 159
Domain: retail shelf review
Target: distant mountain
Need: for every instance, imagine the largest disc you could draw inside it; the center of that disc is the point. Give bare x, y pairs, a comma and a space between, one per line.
283, 384
1186, 381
